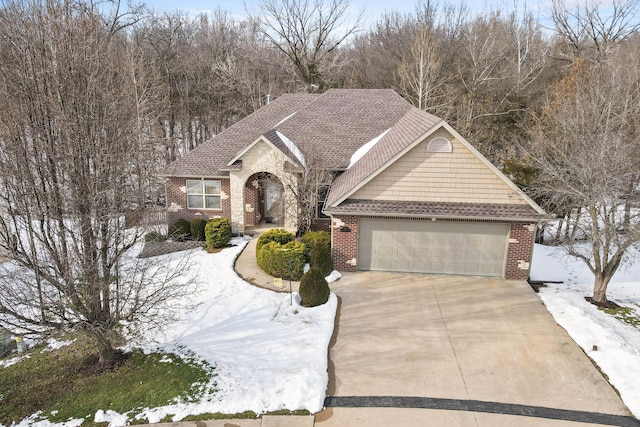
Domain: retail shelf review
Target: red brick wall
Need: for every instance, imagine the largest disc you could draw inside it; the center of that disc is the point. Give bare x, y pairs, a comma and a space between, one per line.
344, 243
177, 202
251, 198
520, 250
321, 224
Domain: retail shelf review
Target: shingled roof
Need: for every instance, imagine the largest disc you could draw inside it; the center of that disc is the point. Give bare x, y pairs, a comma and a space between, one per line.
211, 158
331, 126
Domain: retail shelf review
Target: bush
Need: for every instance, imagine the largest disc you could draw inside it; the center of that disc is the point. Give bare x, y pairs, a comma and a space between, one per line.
217, 232
321, 258
154, 236
278, 235
197, 229
286, 261
314, 289
180, 230
311, 238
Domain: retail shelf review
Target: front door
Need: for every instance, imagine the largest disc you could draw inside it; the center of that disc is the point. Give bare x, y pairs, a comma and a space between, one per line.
273, 212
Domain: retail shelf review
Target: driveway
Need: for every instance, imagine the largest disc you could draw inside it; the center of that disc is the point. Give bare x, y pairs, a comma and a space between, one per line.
467, 340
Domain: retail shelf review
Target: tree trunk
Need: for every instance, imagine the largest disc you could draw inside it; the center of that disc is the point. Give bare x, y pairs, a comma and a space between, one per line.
106, 351
600, 289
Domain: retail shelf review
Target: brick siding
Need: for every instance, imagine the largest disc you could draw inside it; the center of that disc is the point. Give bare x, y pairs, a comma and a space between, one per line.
344, 238
252, 202
520, 250
177, 202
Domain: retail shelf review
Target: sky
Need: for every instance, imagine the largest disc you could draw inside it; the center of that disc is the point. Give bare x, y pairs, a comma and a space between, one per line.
373, 9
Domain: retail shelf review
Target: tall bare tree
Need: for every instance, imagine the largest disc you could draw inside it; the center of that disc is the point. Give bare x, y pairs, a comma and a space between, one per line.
70, 149
586, 150
309, 33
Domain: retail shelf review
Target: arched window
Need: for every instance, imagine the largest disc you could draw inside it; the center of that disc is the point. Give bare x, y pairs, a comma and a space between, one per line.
439, 145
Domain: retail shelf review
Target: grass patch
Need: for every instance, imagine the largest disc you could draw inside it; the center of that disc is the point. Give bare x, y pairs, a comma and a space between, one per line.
55, 383
628, 315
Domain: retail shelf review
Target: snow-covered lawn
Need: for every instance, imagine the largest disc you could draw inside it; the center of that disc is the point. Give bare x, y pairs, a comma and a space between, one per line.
269, 354
617, 344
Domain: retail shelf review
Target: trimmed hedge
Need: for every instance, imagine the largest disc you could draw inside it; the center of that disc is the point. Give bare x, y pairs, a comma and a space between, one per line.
180, 230
286, 261
217, 232
311, 238
314, 289
278, 235
197, 229
321, 258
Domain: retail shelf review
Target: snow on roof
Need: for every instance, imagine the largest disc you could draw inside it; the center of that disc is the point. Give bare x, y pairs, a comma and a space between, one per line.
365, 148
292, 147
284, 120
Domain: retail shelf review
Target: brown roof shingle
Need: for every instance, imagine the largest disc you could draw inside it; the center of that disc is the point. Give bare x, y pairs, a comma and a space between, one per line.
436, 210
331, 126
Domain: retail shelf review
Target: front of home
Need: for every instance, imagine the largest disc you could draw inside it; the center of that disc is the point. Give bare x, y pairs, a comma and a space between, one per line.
409, 194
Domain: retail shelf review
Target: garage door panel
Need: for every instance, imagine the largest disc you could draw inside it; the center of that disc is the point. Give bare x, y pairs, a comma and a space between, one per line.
432, 247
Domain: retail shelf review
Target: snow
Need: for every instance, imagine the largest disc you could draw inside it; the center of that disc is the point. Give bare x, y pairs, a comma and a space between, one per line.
611, 343
269, 352
360, 152
292, 147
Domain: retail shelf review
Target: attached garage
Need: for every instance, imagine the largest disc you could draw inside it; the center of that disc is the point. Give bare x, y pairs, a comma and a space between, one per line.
442, 247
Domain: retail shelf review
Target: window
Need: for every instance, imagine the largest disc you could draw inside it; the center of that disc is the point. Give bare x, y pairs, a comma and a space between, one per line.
439, 145
203, 194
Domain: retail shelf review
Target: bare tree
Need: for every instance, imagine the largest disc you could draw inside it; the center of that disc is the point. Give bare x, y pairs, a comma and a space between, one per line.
591, 29
70, 149
585, 147
309, 34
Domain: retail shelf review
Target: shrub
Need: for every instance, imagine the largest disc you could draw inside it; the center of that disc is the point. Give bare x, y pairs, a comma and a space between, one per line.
278, 235
314, 289
321, 258
154, 236
197, 229
310, 238
217, 232
180, 230
286, 261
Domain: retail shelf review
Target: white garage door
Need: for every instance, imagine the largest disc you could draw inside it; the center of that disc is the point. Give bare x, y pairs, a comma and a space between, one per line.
442, 247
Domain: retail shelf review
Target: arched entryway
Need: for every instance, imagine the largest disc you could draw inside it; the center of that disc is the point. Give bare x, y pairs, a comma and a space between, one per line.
264, 200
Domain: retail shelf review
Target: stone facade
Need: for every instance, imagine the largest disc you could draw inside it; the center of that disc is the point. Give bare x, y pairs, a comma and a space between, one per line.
261, 157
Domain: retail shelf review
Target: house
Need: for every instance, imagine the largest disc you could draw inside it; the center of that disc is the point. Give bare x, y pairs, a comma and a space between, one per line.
410, 194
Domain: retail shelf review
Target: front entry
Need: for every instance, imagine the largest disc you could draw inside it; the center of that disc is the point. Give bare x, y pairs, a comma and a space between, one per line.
263, 200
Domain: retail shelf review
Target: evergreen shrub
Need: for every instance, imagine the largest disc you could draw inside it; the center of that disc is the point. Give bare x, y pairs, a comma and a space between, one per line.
321, 258
197, 229
314, 289
217, 232
278, 235
286, 261
180, 230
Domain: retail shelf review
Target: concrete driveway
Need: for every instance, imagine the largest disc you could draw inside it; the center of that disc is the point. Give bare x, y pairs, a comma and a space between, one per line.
461, 339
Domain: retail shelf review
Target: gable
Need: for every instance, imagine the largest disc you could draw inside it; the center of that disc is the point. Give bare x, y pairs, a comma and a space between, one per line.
262, 156
427, 175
